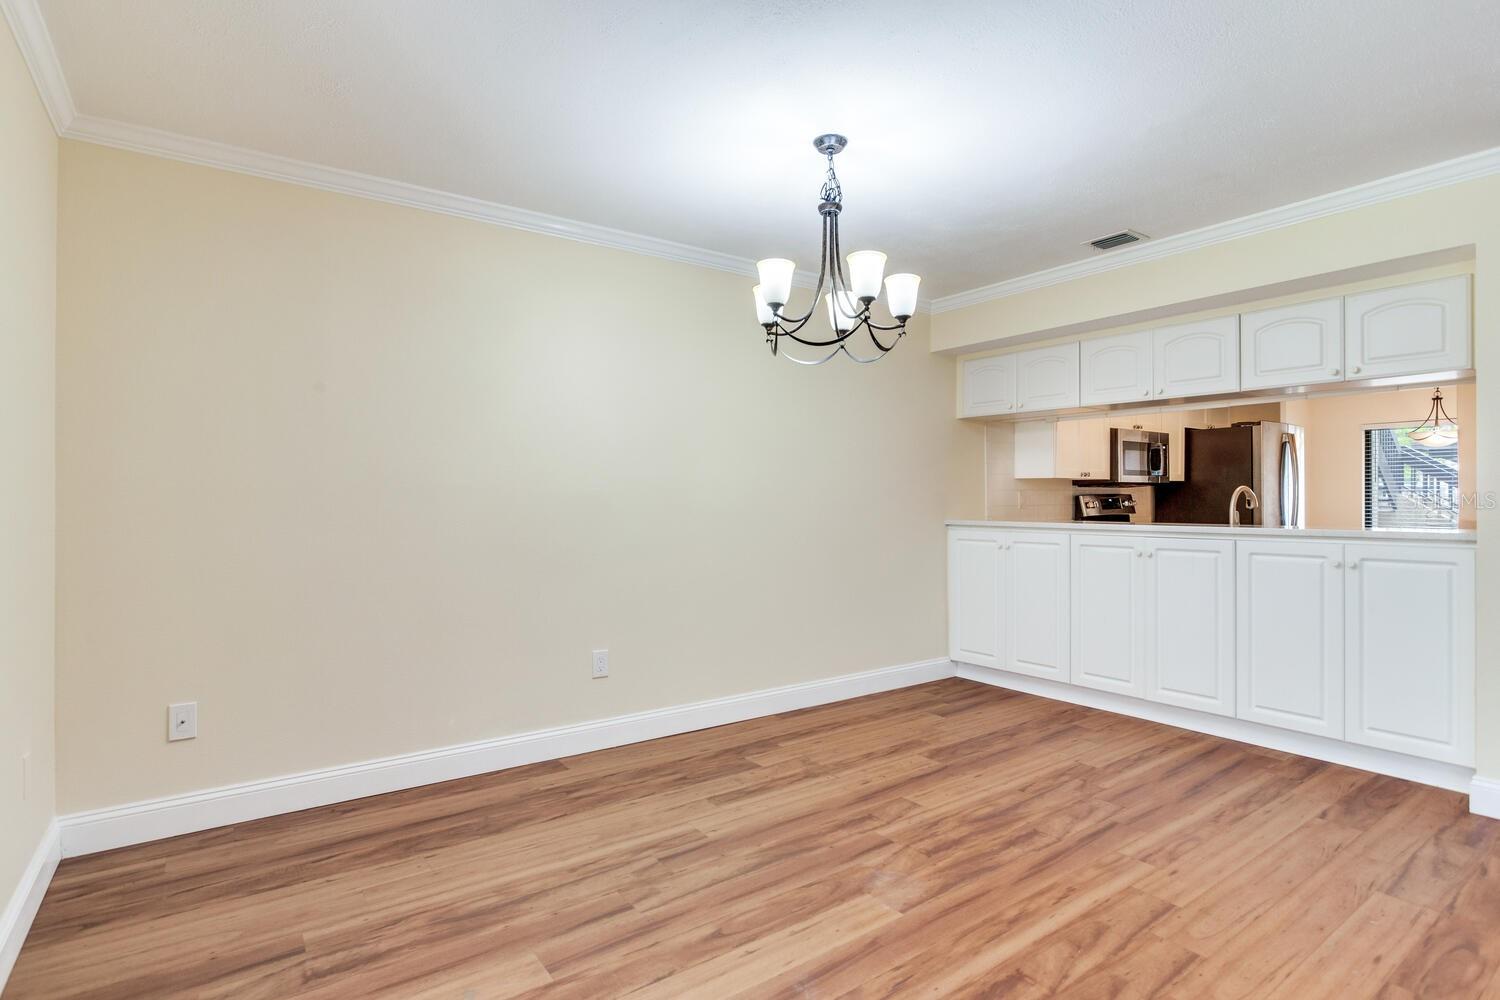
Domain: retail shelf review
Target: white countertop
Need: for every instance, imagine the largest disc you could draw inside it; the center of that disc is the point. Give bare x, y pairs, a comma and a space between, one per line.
1225, 531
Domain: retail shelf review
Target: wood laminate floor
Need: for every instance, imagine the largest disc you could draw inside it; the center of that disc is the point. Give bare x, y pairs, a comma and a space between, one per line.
944, 840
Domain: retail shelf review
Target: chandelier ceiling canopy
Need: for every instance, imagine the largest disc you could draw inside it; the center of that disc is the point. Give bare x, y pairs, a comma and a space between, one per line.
849, 296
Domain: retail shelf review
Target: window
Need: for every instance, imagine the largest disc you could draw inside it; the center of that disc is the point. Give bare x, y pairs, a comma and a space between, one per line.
1409, 485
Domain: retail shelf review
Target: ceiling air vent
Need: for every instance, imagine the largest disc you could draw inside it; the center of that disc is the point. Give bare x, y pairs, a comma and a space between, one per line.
1124, 237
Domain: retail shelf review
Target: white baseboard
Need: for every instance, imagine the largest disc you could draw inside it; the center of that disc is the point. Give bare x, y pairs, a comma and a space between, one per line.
1398, 765
139, 822
1484, 797
21, 909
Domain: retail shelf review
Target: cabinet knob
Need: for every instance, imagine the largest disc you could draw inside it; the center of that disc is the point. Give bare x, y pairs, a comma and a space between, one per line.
1139, 553
1019, 405
1337, 564
1354, 370
1150, 555
1161, 392
1354, 565
1333, 371
1147, 393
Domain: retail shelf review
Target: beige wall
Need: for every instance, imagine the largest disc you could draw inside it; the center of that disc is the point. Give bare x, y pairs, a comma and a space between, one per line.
364, 480
28, 299
1465, 215
1334, 443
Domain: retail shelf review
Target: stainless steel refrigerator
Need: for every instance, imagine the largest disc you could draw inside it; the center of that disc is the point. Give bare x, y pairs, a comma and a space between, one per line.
1263, 455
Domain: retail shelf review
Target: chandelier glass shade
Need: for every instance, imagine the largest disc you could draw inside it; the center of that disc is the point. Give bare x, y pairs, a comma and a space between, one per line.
1438, 430
849, 293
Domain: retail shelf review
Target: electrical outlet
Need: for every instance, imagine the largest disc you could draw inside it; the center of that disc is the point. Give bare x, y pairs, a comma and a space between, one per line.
182, 721
601, 663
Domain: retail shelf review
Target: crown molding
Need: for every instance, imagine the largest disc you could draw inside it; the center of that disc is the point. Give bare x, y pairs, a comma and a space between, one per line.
35, 42
205, 152
1455, 171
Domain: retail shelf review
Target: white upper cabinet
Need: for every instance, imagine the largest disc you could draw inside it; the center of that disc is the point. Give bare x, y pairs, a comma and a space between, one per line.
1408, 330
1036, 629
1290, 635
989, 386
1410, 640
1196, 359
1115, 369
1047, 378
975, 596
1190, 640
1108, 619
1292, 345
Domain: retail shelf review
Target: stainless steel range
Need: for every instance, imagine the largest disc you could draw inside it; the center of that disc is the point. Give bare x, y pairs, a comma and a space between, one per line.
1103, 507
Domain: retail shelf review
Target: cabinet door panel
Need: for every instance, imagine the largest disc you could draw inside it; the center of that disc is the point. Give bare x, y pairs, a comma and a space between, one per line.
1083, 449
1107, 616
975, 597
1410, 640
1196, 359
1115, 369
1292, 345
989, 386
1037, 632
1036, 450
1290, 635
1407, 330
1190, 641
1047, 378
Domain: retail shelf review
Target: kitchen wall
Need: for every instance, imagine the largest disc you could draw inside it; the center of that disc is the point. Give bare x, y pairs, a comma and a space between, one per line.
362, 480
1335, 446
1010, 499
1454, 221
28, 297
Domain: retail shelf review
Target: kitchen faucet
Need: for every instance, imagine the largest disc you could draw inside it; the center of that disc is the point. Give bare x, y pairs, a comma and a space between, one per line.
1251, 502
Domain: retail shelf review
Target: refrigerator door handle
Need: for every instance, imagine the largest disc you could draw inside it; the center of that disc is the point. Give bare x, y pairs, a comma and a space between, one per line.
1291, 482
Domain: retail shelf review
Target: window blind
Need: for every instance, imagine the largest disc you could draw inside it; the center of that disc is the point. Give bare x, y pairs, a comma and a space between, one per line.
1408, 485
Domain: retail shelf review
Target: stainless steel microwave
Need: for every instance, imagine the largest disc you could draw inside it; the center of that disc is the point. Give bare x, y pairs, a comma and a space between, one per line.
1137, 456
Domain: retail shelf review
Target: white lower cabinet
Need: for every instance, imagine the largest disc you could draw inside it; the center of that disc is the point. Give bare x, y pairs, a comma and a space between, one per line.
1409, 639
1036, 637
1190, 629
1008, 600
1154, 618
1109, 642
1290, 623
976, 594
1365, 642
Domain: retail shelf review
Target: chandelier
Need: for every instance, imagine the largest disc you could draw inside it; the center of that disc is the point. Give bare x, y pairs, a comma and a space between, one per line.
1438, 430
848, 299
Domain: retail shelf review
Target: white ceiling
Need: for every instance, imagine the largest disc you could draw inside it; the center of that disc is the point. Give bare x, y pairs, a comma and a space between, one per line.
987, 139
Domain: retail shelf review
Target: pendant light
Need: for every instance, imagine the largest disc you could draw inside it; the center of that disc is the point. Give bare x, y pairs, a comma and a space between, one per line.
1437, 431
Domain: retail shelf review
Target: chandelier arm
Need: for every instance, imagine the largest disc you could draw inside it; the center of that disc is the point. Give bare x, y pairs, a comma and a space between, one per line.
876, 340
839, 281
894, 326
817, 343
801, 321
821, 361
864, 361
